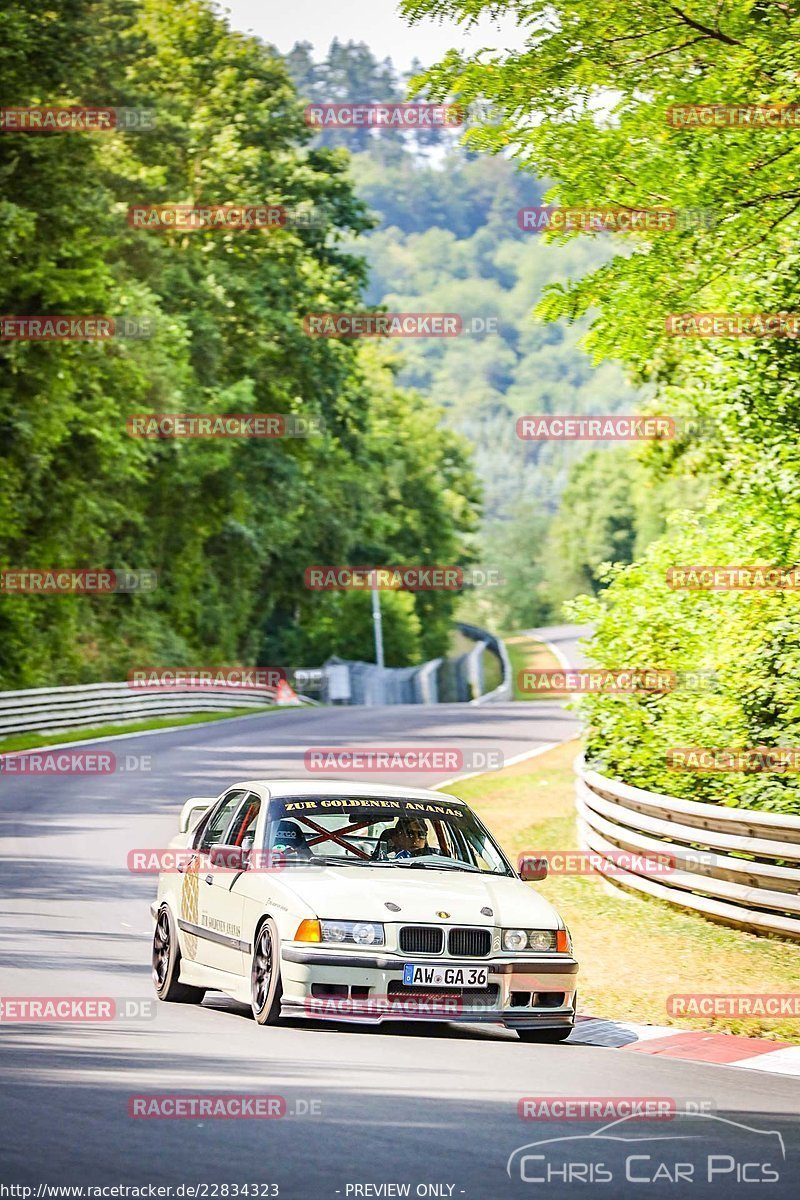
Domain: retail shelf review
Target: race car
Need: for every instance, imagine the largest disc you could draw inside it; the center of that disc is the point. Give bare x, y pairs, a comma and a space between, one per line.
357, 902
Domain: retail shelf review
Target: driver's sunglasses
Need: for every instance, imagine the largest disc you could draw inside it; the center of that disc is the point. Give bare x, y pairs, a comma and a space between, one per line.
416, 831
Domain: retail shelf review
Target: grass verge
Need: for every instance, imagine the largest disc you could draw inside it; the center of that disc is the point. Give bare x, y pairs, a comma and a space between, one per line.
634, 951
528, 654
30, 741
492, 671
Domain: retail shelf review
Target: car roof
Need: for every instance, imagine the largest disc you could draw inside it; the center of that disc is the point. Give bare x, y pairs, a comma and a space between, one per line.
334, 787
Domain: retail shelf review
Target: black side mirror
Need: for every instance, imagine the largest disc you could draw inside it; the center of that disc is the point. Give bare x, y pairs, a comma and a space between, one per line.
231, 858
531, 868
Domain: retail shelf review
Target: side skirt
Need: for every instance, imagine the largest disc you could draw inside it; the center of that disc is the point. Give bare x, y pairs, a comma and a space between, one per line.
199, 975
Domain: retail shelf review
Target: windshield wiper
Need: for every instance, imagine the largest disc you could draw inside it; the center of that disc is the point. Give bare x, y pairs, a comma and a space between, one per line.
440, 866
335, 860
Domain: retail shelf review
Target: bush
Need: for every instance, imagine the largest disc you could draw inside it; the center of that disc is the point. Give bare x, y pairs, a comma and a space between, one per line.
742, 648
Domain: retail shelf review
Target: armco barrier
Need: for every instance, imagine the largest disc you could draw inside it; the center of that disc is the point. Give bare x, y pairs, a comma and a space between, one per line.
369, 684
437, 681
46, 709
474, 664
759, 892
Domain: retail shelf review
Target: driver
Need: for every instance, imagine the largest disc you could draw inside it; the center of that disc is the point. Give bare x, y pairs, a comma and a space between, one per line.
410, 838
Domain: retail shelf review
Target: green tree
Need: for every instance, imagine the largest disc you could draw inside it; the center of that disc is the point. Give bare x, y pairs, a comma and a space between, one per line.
609, 93
229, 526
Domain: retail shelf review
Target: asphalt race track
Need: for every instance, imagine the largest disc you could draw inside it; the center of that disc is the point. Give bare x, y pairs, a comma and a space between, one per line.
431, 1107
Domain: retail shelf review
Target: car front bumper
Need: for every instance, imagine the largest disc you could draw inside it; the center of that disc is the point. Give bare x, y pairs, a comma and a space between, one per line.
369, 988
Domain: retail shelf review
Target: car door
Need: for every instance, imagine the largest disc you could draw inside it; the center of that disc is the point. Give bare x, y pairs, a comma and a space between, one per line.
203, 941
225, 900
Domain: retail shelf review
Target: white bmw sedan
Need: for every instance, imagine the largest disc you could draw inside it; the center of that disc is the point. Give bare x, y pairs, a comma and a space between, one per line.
356, 902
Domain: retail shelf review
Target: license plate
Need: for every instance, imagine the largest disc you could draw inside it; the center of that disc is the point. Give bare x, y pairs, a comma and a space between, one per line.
428, 974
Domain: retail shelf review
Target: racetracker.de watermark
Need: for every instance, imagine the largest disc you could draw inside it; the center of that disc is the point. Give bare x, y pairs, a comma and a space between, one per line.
427, 1007
176, 426
195, 217
396, 324
201, 679
68, 581
207, 1106
734, 1004
34, 1010
70, 328
152, 860
614, 862
402, 758
597, 220
438, 578
625, 681
408, 116
733, 578
49, 119
770, 759
732, 325
590, 428
354, 115
604, 1108
733, 116
73, 762
609, 219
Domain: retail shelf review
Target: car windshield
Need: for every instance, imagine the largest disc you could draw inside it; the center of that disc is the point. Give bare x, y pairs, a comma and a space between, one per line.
390, 833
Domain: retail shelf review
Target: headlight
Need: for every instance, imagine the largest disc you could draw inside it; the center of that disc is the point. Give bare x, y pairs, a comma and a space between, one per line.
542, 939
529, 939
367, 934
360, 933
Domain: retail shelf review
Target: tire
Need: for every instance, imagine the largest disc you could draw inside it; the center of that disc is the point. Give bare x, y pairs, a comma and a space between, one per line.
167, 963
266, 986
545, 1035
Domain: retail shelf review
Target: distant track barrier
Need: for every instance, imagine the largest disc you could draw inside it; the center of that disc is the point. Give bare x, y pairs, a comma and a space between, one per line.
46, 709
438, 681
486, 642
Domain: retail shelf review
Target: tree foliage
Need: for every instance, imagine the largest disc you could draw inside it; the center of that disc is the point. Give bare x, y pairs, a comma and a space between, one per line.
229, 526
448, 239
587, 104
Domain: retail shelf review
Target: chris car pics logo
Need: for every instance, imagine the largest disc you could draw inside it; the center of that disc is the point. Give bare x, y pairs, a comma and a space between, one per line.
698, 1148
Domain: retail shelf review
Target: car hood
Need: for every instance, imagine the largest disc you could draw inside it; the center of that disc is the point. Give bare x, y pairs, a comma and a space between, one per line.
362, 893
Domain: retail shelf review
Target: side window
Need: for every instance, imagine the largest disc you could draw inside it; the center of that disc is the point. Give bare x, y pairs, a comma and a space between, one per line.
445, 842
461, 846
243, 825
218, 822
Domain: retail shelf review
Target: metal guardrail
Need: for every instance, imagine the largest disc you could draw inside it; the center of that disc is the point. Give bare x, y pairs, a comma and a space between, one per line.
349, 681
46, 709
735, 865
439, 680
474, 666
